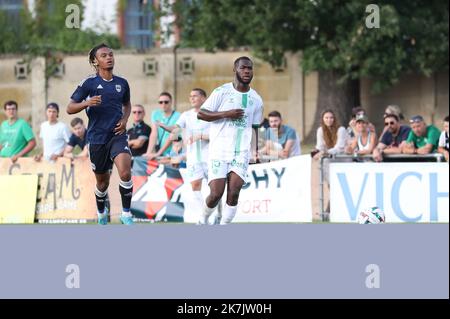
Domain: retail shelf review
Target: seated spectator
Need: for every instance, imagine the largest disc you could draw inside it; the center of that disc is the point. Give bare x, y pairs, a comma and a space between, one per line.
331, 138
281, 141
78, 138
422, 139
365, 139
351, 129
16, 136
139, 134
393, 137
443, 140
391, 110
54, 135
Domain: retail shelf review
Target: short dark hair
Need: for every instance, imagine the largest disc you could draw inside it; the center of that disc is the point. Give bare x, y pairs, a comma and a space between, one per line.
10, 102
76, 121
275, 114
52, 105
166, 94
446, 119
236, 62
201, 91
394, 116
93, 52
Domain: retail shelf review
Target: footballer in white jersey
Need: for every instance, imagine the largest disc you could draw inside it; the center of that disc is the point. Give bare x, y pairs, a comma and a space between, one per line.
234, 110
196, 138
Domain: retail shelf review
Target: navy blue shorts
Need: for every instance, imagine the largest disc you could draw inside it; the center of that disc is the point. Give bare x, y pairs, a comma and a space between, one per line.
102, 155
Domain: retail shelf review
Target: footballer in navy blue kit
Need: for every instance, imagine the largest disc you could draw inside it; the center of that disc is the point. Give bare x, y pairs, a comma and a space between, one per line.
106, 99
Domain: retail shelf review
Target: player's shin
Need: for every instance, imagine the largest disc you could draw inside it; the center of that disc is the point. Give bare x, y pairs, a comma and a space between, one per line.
228, 214
126, 193
207, 211
100, 199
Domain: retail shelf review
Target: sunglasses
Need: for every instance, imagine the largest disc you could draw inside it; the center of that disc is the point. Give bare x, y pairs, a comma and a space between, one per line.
137, 112
164, 102
389, 123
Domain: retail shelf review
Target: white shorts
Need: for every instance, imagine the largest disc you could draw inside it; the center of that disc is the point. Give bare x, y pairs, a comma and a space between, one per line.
219, 169
196, 171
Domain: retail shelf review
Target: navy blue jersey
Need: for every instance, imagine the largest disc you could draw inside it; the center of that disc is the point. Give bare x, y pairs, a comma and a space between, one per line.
75, 140
103, 118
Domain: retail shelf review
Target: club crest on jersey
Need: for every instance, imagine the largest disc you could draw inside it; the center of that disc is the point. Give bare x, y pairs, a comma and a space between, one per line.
118, 88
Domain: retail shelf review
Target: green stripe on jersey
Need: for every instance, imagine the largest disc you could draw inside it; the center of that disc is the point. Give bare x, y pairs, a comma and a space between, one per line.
244, 100
237, 148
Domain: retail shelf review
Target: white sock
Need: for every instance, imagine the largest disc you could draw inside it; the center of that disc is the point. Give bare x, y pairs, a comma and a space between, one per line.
198, 198
228, 214
127, 214
205, 214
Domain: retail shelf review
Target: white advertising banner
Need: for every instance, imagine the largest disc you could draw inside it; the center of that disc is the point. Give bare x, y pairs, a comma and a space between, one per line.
278, 191
405, 192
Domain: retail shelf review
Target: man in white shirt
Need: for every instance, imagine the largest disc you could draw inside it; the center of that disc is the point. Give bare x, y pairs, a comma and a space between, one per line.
233, 109
196, 136
54, 134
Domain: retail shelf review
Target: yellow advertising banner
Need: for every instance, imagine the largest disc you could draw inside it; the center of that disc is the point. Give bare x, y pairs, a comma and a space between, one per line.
65, 188
18, 198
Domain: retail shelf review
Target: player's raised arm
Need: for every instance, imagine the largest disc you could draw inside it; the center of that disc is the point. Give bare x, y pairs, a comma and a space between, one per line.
74, 107
210, 116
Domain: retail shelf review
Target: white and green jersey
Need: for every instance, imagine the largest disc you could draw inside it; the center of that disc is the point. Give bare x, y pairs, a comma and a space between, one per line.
229, 139
197, 151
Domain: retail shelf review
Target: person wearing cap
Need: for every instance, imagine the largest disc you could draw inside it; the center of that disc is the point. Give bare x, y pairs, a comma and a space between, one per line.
393, 137
422, 139
54, 134
365, 140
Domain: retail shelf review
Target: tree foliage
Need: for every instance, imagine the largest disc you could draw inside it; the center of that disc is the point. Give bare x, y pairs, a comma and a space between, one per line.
45, 33
412, 37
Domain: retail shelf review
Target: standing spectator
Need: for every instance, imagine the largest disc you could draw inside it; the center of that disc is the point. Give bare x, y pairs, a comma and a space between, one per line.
422, 139
139, 134
78, 137
365, 139
16, 137
54, 134
443, 140
331, 138
158, 136
281, 140
393, 137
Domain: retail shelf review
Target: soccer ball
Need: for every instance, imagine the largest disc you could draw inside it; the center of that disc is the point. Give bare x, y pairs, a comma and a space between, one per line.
373, 215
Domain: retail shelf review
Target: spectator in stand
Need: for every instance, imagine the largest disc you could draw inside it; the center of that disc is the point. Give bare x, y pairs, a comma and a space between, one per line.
54, 134
281, 141
78, 138
395, 110
365, 139
16, 136
443, 140
394, 136
331, 138
351, 129
139, 134
422, 139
